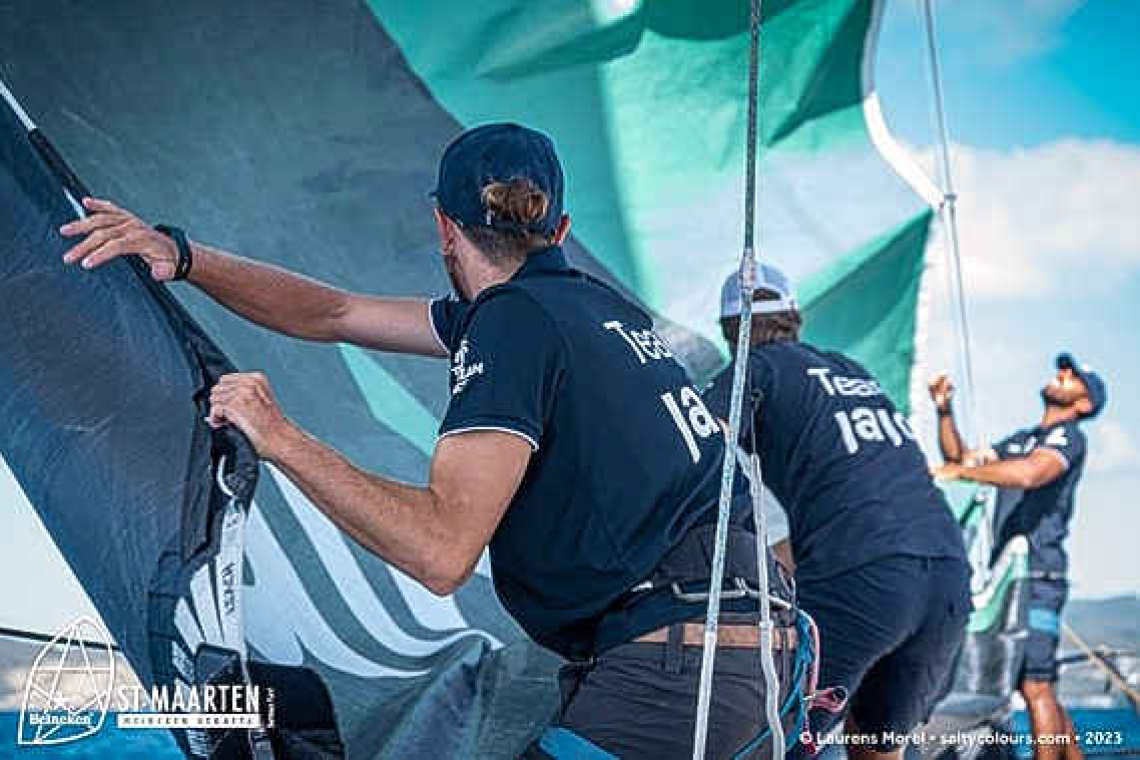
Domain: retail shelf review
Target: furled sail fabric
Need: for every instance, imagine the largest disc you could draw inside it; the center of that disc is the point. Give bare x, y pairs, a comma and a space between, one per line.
103, 392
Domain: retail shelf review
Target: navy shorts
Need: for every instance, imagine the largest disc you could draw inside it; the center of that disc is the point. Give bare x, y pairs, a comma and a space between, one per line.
890, 632
1046, 598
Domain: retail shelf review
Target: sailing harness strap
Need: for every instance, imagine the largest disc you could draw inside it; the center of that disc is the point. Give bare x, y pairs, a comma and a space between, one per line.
685, 570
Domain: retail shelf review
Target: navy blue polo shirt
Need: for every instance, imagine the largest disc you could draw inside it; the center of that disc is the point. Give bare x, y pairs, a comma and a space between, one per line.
840, 458
626, 456
1043, 514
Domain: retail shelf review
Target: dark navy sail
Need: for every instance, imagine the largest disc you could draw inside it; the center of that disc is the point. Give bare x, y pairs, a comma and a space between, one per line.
103, 391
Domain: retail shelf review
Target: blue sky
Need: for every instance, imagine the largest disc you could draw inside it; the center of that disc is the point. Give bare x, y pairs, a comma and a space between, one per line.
1019, 72
1044, 110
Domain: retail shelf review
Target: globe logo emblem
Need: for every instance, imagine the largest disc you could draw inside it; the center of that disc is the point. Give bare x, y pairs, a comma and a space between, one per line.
69, 688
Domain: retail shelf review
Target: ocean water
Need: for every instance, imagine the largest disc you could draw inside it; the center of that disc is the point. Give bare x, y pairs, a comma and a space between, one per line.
110, 742
1102, 732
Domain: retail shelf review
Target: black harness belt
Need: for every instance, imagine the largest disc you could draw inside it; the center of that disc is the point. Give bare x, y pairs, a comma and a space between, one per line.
682, 580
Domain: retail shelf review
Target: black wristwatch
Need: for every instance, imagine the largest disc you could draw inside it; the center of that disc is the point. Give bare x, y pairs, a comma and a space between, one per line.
185, 257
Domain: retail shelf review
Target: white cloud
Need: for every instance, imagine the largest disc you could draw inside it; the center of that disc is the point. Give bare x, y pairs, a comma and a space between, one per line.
1112, 448
1035, 221
1103, 560
1007, 31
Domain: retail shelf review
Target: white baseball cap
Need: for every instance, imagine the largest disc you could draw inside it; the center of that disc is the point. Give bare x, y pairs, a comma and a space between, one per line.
768, 278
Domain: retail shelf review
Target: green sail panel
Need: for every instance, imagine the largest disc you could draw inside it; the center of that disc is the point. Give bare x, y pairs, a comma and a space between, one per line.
647, 102
865, 305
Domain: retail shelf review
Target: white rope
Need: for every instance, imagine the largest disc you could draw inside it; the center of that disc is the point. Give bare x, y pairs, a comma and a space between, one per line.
767, 660
728, 468
21, 114
30, 125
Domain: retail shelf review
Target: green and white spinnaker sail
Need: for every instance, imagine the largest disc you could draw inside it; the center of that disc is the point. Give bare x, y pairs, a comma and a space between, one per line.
647, 103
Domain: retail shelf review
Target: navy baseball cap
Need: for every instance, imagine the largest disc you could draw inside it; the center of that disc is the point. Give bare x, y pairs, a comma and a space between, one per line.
1097, 392
497, 153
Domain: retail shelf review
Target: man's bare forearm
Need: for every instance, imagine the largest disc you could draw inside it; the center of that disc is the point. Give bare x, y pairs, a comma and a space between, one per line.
949, 440
302, 307
1024, 472
1001, 474
272, 297
393, 520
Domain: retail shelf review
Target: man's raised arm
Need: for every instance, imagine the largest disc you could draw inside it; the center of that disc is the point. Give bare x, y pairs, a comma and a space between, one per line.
267, 295
949, 440
954, 451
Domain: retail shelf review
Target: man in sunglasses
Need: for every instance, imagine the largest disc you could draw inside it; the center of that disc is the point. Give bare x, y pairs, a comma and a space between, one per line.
1045, 462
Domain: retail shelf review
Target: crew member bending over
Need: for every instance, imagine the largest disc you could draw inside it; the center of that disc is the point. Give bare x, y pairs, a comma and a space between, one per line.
879, 559
574, 444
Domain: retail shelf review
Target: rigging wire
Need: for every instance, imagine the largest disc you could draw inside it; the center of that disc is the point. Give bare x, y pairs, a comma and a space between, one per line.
948, 210
974, 431
767, 660
728, 468
46, 638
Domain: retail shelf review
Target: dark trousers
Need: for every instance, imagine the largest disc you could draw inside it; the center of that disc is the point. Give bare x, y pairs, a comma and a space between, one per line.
640, 701
889, 633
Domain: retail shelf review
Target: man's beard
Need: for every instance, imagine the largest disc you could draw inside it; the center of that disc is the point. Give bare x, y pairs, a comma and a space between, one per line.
1054, 394
452, 268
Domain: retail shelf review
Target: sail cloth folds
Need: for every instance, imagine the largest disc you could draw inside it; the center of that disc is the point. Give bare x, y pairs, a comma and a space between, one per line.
309, 145
647, 103
84, 418
104, 384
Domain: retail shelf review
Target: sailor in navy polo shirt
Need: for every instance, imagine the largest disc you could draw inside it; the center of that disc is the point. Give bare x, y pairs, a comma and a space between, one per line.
879, 560
1044, 463
625, 465
574, 445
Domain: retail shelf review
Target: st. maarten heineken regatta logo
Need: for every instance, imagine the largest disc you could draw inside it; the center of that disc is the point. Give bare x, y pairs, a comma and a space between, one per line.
68, 691
71, 688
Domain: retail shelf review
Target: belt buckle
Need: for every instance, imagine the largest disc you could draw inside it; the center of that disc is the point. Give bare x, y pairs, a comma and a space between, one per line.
742, 591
